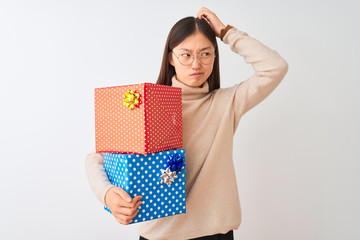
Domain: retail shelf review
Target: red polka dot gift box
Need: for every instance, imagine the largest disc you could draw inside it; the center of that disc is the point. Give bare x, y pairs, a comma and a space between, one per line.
140, 118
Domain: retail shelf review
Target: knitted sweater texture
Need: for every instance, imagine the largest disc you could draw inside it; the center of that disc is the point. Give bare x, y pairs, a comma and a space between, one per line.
209, 124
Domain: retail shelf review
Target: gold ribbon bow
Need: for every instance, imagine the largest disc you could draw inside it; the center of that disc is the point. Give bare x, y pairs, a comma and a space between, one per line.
131, 99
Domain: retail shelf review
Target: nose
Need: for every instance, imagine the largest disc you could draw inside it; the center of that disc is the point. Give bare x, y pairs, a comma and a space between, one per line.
196, 63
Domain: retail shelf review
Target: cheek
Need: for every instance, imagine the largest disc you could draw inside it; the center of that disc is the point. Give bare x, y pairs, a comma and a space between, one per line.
209, 70
180, 70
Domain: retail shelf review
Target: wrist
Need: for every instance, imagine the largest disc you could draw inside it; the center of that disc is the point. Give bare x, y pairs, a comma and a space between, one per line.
224, 31
105, 197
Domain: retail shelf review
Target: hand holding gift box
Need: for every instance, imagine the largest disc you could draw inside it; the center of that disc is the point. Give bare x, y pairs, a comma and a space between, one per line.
158, 177
141, 118
122, 206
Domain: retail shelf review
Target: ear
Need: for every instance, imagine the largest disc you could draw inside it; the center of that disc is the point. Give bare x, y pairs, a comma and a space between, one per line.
171, 60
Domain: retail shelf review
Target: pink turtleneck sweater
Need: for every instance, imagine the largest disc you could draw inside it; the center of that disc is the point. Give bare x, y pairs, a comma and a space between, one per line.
209, 124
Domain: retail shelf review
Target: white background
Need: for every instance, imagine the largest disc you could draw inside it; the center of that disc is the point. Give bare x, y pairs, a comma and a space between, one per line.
296, 154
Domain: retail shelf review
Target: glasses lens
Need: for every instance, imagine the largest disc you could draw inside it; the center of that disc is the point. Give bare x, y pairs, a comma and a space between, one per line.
186, 59
206, 57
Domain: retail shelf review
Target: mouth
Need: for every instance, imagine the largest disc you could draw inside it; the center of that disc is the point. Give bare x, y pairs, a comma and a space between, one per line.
197, 74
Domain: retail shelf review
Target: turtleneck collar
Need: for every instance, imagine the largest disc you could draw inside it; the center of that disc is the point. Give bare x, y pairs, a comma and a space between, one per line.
191, 93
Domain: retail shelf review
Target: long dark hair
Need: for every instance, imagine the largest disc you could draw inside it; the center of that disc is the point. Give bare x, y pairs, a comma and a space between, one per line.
181, 30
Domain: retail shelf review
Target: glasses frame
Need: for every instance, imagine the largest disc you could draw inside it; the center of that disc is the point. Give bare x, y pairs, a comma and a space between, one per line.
193, 58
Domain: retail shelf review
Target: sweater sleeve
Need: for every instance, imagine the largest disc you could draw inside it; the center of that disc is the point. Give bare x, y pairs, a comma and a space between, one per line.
97, 177
270, 68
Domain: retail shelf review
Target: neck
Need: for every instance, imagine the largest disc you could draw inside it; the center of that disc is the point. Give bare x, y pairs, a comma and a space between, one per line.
191, 93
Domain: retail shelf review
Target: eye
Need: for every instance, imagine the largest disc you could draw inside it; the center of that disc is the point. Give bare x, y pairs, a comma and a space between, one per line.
185, 55
205, 54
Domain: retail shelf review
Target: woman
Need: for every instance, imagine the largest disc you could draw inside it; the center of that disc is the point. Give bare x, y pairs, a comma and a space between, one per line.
210, 118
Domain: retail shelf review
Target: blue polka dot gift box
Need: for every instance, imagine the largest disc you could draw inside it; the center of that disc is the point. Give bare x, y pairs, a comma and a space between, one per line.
159, 177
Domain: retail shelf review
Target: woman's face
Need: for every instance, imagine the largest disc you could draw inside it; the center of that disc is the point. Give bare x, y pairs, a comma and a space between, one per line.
196, 73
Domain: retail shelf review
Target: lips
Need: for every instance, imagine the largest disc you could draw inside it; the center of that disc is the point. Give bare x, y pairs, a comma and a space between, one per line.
197, 74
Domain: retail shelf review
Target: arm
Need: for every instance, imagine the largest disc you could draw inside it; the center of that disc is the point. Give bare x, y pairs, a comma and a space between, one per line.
268, 65
270, 68
97, 177
122, 206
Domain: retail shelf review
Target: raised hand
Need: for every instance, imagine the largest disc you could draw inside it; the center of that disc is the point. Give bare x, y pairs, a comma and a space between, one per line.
211, 19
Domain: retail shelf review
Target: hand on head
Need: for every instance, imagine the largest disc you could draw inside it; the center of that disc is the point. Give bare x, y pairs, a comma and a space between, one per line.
211, 19
122, 206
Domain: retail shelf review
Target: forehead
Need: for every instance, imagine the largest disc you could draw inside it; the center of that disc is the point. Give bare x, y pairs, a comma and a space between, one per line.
195, 42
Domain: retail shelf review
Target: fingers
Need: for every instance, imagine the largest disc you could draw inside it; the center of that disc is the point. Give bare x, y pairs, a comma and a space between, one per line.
114, 199
123, 199
124, 195
203, 12
207, 15
211, 18
122, 206
125, 220
125, 215
133, 202
129, 211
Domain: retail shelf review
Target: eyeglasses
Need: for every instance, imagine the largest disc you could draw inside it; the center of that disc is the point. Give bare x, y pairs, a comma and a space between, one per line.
205, 57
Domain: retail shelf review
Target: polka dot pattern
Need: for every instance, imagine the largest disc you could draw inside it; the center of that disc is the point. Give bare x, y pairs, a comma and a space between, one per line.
154, 126
140, 175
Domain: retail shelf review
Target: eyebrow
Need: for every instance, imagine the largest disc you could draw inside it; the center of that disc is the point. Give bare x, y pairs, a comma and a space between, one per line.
185, 49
